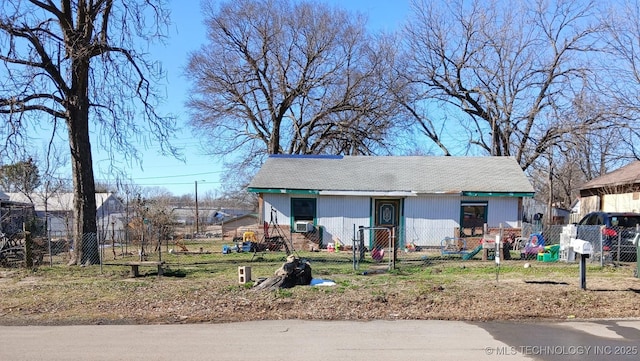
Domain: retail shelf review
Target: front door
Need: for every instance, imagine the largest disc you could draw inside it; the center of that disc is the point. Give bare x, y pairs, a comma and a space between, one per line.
387, 215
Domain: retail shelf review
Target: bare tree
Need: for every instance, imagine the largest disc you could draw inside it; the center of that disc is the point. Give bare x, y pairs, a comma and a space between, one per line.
621, 72
586, 153
583, 154
278, 76
52, 184
159, 214
502, 71
557, 179
77, 65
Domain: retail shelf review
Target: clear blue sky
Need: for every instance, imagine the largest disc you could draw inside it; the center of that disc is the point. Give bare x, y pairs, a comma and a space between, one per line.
187, 34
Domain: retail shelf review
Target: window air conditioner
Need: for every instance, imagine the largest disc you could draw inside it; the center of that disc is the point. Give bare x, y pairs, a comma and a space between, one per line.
303, 227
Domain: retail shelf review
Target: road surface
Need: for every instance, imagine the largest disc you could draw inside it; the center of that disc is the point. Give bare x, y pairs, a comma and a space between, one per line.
325, 341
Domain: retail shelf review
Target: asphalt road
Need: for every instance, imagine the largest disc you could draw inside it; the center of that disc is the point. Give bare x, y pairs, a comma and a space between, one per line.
317, 340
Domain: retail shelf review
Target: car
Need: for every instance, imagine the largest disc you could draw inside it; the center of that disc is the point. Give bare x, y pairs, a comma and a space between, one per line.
618, 233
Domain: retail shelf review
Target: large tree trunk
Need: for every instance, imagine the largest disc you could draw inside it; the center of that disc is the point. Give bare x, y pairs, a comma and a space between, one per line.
84, 200
47, 76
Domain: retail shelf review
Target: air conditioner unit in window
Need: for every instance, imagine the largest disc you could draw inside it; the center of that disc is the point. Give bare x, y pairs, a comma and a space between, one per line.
303, 227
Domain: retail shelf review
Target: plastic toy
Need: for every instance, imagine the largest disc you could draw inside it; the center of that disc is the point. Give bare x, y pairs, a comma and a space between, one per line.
534, 245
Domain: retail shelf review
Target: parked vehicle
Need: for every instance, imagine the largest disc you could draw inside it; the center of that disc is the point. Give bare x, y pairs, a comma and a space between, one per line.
619, 234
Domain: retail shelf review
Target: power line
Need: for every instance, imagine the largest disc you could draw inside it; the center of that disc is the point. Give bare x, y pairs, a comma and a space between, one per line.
164, 176
180, 175
176, 184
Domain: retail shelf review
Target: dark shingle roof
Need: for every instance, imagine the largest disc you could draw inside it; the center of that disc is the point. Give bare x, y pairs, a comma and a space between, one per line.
419, 174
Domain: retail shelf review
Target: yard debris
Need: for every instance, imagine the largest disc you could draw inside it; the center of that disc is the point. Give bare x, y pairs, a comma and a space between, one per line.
293, 272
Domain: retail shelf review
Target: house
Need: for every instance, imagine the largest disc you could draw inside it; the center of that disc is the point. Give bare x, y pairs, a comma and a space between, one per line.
536, 210
617, 191
58, 209
13, 215
423, 199
206, 215
235, 226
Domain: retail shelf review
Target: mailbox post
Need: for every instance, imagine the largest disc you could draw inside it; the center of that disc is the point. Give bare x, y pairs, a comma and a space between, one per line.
636, 242
583, 250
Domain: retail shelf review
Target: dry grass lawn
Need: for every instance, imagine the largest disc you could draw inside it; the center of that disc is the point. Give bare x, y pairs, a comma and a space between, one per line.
207, 290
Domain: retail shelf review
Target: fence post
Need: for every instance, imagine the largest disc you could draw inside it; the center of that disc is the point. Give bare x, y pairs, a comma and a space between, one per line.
618, 248
354, 248
638, 260
601, 247
637, 251
393, 248
28, 247
358, 246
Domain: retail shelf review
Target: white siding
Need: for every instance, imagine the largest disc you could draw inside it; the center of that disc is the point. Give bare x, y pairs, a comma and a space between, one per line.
427, 219
430, 219
624, 202
501, 211
589, 204
339, 214
281, 206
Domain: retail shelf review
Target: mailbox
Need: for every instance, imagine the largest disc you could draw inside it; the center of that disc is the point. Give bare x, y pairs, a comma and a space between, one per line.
584, 250
582, 247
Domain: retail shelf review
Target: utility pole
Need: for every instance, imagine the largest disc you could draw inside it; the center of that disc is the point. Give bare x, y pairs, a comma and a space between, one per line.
550, 200
197, 217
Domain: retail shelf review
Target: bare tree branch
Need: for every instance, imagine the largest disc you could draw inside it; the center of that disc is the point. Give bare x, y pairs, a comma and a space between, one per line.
504, 66
278, 76
77, 62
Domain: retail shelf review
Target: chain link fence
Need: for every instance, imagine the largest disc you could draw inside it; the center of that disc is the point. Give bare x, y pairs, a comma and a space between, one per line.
367, 249
31, 249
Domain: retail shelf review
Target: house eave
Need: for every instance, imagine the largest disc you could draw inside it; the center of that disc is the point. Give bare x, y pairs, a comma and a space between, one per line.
369, 193
498, 194
282, 190
386, 193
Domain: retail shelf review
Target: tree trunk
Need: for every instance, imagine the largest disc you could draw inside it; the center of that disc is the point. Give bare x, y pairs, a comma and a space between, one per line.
84, 200
274, 141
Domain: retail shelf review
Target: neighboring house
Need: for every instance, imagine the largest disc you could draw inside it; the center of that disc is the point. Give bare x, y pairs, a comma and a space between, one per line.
206, 215
237, 225
13, 214
425, 199
184, 215
535, 210
617, 191
110, 212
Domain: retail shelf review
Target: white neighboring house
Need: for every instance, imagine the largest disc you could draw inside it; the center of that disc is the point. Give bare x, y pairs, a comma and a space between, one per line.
110, 213
616, 191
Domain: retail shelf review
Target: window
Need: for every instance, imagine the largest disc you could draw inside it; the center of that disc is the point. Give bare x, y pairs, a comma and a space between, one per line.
303, 209
474, 216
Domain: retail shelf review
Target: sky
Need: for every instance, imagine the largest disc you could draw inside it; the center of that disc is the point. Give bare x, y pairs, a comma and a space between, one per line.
186, 34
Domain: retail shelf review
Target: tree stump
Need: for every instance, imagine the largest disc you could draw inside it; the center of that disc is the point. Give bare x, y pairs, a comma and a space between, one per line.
292, 273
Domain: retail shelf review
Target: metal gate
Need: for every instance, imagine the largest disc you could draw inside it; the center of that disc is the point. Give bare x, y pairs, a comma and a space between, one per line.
381, 256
